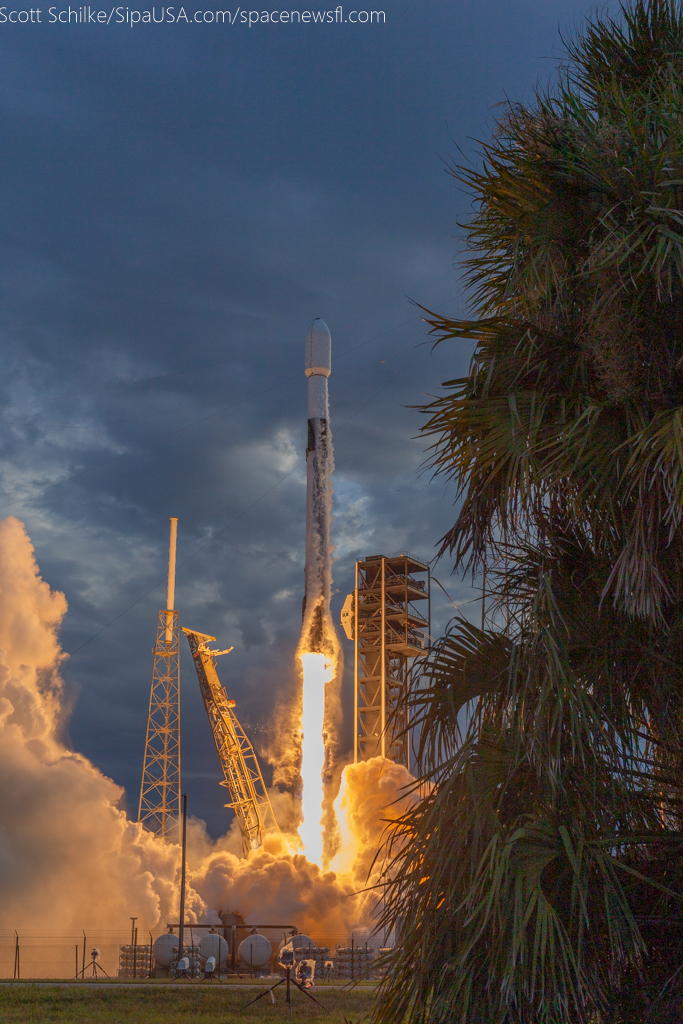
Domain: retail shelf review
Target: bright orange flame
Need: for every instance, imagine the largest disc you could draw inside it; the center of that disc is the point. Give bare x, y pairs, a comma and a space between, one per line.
317, 672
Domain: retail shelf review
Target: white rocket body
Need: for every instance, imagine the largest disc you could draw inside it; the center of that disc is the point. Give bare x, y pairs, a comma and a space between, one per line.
319, 466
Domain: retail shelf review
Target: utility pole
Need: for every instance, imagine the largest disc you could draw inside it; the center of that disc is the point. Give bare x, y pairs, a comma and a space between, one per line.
181, 929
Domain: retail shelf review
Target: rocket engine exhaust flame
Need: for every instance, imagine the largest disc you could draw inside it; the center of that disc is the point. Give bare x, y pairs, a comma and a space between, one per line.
319, 646
317, 671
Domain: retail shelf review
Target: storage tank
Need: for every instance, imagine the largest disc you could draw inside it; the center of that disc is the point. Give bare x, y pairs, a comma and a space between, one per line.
165, 949
255, 950
298, 942
216, 946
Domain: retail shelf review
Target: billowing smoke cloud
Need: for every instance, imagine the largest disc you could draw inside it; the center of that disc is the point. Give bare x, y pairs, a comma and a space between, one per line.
274, 881
372, 794
69, 857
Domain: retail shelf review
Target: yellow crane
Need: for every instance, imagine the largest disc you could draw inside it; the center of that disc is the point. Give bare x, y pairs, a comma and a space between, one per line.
241, 772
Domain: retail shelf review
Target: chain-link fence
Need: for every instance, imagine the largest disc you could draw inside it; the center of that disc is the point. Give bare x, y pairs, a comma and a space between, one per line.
111, 955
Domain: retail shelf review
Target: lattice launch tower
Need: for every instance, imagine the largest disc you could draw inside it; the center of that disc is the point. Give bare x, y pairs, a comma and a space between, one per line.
159, 807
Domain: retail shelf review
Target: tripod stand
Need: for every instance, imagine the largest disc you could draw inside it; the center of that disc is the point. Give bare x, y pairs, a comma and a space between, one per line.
288, 981
95, 966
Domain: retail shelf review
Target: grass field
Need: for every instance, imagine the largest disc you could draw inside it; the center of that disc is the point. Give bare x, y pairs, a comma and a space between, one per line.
22, 1003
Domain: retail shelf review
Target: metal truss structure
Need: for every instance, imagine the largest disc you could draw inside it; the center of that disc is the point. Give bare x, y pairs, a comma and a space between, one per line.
390, 627
241, 772
159, 808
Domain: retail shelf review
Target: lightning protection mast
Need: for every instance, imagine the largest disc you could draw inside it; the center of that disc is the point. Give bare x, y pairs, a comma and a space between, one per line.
241, 771
159, 808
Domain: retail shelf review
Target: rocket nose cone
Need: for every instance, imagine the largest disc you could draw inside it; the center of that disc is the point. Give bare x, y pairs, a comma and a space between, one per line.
318, 349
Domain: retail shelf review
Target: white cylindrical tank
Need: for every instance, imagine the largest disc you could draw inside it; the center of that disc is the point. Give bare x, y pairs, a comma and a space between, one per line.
255, 950
215, 946
165, 949
298, 942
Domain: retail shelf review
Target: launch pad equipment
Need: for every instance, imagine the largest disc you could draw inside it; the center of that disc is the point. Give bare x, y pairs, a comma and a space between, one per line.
159, 807
94, 963
388, 618
303, 978
241, 772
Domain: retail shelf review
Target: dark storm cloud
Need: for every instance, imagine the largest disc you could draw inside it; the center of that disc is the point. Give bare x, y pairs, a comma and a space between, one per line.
179, 204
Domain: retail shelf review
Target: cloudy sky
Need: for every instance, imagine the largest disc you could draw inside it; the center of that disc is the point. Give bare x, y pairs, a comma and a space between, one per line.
180, 200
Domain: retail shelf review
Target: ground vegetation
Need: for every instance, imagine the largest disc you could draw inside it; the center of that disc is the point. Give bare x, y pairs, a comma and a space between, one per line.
23, 1003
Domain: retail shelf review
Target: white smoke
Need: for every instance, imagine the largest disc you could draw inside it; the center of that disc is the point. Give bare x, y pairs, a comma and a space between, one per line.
68, 856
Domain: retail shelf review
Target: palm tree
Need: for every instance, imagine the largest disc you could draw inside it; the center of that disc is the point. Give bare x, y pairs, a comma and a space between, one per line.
539, 877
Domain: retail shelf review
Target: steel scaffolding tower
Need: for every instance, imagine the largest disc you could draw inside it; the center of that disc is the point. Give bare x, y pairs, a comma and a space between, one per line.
241, 772
159, 807
385, 619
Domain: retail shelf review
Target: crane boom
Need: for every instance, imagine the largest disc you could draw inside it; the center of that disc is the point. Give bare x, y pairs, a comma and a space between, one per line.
241, 772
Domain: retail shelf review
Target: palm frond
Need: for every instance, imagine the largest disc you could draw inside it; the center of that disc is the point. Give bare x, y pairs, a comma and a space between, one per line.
523, 885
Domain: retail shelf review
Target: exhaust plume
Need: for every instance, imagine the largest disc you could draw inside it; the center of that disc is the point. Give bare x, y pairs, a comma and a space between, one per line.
69, 858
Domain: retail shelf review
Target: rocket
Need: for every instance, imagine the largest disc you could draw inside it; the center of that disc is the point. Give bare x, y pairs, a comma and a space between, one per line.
319, 466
